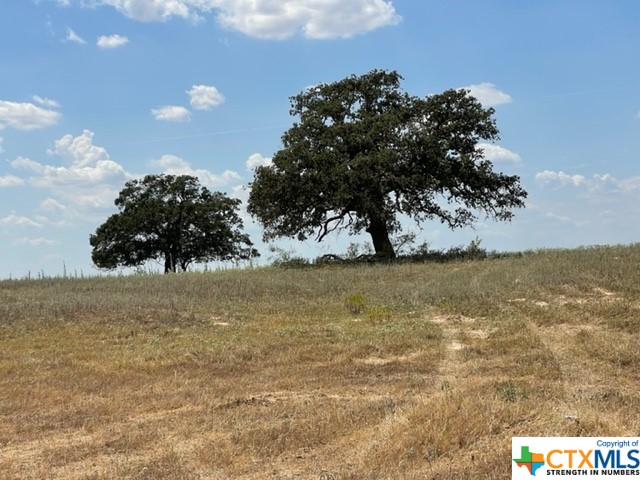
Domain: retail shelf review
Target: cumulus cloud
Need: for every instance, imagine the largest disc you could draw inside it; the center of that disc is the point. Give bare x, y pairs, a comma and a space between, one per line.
551, 178
201, 97
90, 179
26, 116
595, 204
597, 184
171, 113
497, 154
610, 183
74, 37
320, 19
205, 97
80, 151
172, 165
10, 181
159, 10
14, 220
488, 94
256, 160
111, 41
242, 192
317, 20
23, 163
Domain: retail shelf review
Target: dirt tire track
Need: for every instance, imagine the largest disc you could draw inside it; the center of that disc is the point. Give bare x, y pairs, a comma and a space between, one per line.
455, 328
554, 339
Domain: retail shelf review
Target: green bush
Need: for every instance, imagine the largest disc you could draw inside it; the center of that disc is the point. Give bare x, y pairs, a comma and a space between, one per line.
355, 303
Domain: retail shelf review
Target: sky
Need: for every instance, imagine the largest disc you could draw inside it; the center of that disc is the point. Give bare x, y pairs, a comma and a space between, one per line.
94, 93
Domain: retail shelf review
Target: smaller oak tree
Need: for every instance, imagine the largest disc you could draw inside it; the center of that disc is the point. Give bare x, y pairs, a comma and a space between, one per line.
171, 218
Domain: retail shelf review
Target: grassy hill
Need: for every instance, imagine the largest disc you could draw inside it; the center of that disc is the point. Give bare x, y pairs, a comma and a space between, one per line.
364, 372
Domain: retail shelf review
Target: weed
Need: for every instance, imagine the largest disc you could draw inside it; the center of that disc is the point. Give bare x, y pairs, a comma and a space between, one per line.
507, 391
355, 303
378, 313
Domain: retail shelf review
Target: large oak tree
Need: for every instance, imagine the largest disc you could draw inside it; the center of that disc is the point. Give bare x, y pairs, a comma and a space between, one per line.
173, 219
363, 151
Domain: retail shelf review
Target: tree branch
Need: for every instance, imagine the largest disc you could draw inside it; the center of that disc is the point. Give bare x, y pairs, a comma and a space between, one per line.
325, 230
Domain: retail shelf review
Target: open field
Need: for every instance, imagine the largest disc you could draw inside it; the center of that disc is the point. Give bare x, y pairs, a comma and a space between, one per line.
379, 372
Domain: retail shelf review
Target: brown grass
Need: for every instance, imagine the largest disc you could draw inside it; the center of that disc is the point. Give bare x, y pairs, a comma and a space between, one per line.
273, 373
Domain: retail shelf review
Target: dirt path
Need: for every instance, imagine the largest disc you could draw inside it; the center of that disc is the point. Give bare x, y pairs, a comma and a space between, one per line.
456, 329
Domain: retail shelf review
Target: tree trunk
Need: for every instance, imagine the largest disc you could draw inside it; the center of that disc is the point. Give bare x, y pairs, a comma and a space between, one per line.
169, 263
380, 237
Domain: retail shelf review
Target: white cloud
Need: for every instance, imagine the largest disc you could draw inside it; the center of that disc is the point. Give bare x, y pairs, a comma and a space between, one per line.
205, 97
74, 37
111, 41
26, 116
89, 180
55, 223
608, 182
318, 19
566, 219
45, 102
630, 184
34, 242
80, 151
488, 94
14, 220
171, 113
24, 163
242, 192
256, 160
51, 205
159, 10
497, 154
10, 181
596, 185
551, 178
172, 165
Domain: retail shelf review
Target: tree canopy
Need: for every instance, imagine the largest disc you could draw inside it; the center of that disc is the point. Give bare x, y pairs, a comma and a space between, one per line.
170, 218
364, 151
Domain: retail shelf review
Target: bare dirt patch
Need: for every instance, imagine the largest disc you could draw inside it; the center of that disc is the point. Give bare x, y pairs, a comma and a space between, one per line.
393, 359
597, 296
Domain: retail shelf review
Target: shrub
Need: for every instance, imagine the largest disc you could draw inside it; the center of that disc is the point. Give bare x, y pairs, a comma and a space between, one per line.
379, 312
355, 303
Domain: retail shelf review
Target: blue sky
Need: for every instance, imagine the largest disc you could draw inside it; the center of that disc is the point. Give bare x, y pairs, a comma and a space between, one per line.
96, 92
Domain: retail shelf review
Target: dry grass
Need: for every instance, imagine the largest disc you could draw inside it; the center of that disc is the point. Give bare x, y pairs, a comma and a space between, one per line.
275, 374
